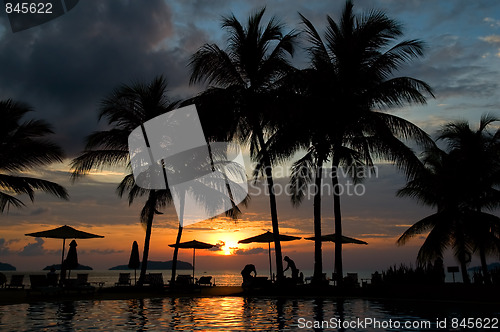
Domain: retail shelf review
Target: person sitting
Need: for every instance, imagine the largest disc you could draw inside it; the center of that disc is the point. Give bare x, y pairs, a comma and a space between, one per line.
246, 273
52, 277
291, 266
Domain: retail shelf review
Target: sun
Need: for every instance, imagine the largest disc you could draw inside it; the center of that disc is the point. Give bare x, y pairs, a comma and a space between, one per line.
229, 247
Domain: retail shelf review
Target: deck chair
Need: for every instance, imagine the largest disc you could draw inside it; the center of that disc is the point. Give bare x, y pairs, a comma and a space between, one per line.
154, 279
16, 281
81, 279
3, 279
42, 283
123, 280
204, 281
38, 281
351, 280
82, 283
52, 279
184, 280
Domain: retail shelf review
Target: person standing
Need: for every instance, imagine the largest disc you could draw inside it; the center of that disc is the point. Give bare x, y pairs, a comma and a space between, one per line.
291, 266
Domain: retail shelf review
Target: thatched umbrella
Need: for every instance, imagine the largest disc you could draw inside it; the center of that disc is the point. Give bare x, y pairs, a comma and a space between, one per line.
331, 238
193, 245
64, 232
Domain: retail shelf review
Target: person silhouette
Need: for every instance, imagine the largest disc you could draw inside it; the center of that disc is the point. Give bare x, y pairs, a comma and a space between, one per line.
246, 274
52, 277
291, 266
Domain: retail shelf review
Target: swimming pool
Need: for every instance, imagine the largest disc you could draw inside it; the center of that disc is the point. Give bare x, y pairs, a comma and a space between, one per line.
237, 314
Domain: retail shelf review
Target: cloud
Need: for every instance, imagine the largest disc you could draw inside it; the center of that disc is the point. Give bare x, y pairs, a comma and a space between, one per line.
218, 246
34, 249
4, 249
253, 251
492, 39
65, 67
492, 22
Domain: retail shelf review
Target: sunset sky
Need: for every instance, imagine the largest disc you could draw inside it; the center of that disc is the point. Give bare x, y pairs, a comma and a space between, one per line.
65, 67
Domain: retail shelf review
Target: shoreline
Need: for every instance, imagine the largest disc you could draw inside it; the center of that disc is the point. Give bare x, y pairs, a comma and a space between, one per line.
445, 293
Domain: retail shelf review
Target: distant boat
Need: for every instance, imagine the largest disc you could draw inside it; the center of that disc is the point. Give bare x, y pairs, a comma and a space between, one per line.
7, 267
156, 265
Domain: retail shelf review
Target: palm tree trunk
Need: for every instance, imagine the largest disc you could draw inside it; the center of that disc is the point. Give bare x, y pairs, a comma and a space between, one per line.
174, 259
273, 206
182, 196
484, 265
318, 258
338, 220
149, 226
463, 268
484, 229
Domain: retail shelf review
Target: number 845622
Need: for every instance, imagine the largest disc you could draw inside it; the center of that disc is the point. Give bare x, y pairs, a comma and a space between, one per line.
31, 8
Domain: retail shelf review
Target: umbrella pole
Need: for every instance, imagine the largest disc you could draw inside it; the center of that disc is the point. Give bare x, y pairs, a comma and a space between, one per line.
62, 256
270, 266
194, 251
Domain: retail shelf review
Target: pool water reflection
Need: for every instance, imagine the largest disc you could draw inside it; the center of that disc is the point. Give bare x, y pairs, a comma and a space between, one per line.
225, 314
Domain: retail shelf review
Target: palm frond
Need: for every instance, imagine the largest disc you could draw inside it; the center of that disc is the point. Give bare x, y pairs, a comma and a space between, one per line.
8, 200
97, 160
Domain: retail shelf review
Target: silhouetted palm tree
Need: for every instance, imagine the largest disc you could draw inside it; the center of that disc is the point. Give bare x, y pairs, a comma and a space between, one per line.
125, 109
23, 148
436, 185
476, 153
238, 102
351, 78
440, 183
309, 170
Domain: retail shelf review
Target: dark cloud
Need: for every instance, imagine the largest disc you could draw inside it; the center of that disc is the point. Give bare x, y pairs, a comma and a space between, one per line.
4, 247
65, 67
218, 246
34, 249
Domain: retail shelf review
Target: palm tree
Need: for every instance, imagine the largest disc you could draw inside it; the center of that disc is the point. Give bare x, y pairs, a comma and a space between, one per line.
477, 154
239, 96
436, 185
441, 183
127, 108
350, 79
309, 170
24, 147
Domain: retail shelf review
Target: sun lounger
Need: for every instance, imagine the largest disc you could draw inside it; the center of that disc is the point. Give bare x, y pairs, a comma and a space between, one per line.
124, 280
40, 283
153, 280
351, 280
16, 281
204, 281
3, 280
79, 284
184, 280
52, 279
81, 279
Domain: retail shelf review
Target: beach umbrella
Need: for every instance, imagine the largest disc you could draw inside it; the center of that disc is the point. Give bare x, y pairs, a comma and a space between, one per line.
134, 262
331, 238
71, 261
268, 237
193, 245
64, 232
